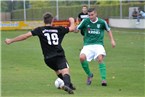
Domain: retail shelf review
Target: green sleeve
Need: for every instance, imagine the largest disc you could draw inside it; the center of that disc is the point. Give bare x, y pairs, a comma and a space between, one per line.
81, 25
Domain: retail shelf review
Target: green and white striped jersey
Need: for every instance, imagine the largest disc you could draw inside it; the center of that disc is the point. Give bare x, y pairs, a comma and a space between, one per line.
93, 31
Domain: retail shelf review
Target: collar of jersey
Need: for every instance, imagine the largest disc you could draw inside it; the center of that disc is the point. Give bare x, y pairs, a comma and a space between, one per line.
95, 21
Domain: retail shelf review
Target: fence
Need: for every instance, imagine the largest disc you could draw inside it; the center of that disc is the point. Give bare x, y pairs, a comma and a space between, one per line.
5, 16
104, 11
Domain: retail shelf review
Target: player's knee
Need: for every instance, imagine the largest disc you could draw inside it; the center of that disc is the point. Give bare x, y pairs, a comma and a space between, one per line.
58, 72
100, 59
82, 57
65, 71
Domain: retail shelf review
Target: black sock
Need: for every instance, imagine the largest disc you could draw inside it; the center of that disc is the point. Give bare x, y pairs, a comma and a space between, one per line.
60, 76
67, 80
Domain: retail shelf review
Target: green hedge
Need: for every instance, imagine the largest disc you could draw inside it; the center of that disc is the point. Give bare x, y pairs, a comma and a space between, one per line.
104, 11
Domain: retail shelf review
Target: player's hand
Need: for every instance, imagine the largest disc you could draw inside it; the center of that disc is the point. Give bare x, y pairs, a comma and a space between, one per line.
71, 19
8, 41
113, 43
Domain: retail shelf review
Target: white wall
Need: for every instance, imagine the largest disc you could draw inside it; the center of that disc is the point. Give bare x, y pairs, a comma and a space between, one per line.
127, 23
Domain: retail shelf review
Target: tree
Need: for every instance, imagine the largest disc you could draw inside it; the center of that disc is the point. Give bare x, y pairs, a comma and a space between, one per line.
101, 2
9, 6
6, 6
39, 4
20, 4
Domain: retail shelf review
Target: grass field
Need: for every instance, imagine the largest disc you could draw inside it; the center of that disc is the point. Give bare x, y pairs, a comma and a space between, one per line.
24, 73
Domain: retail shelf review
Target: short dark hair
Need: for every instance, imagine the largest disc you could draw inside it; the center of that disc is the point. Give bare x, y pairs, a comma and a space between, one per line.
47, 17
85, 6
91, 9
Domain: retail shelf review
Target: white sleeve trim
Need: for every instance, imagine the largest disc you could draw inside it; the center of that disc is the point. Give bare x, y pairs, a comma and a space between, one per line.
80, 24
107, 27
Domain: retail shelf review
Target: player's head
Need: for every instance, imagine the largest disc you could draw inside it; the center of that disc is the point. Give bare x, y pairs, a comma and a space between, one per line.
47, 17
92, 14
84, 8
134, 9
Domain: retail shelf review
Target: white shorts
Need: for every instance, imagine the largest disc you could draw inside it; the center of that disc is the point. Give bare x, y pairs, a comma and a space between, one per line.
93, 51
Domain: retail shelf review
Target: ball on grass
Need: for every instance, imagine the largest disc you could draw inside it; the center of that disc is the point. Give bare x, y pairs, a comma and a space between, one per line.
59, 83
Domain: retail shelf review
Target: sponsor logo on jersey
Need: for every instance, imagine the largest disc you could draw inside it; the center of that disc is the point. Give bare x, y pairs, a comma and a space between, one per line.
84, 16
51, 30
93, 31
88, 26
98, 25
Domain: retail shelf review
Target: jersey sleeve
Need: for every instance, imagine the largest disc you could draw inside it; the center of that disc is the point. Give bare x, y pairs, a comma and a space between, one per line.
107, 28
35, 31
81, 25
64, 29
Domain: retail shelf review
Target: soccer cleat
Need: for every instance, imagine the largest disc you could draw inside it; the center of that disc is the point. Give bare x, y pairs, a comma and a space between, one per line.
67, 89
104, 83
89, 79
72, 87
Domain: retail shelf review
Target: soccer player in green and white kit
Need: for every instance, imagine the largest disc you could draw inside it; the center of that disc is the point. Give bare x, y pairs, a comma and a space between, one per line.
93, 44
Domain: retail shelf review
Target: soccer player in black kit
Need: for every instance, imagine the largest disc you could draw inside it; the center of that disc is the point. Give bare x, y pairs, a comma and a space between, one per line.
50, 39
82, 15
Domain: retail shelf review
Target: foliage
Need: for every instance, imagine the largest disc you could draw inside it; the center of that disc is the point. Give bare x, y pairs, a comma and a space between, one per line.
6, 6
66, 8
39, 4
112, 2
104, 11
9, 6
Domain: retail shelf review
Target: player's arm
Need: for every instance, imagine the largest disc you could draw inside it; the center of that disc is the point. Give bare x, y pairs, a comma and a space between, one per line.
18, 38
110, 34
72, 24
80, 26
76, 29
111, 38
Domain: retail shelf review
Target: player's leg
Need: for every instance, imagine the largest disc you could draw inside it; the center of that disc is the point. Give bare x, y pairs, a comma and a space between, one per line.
102, 68
66, 78
86, 56
138, 19
60, 71
64, 71
100, 54
61, 77
51, 63
85, 64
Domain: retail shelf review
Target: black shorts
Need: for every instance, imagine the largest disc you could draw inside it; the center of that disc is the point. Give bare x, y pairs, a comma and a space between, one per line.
57, 63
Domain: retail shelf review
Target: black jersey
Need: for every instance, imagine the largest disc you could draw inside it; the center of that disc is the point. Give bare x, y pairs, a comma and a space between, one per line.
82, 16
50, 40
